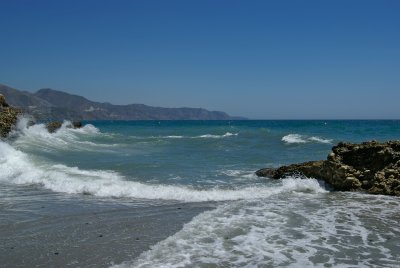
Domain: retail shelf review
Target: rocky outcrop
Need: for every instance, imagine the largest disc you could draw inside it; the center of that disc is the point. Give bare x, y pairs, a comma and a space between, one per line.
54, 126
372, 167
8, 117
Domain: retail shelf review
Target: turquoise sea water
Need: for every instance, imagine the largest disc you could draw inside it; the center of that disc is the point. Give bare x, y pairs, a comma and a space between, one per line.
256, 222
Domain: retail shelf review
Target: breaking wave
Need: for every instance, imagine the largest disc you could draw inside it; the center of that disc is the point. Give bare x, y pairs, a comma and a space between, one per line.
298, 139
65, 138
18, 168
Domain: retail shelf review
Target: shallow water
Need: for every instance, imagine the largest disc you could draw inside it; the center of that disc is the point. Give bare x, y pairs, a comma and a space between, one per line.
88, 194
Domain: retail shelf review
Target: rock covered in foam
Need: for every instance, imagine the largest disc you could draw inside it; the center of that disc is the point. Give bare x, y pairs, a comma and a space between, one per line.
372, 166
8, 117
54, 126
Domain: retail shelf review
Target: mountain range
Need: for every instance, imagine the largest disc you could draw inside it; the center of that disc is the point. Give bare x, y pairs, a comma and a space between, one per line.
48, 104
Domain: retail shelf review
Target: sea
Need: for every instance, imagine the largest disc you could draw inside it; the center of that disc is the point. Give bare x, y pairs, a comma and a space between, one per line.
185, 194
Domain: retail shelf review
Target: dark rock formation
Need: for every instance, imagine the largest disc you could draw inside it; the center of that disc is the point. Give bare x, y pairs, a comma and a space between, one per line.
308, 169
77, 124
8, 117
372, 167
54, 126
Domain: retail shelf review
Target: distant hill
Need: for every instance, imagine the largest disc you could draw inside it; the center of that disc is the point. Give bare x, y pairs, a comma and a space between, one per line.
49, 104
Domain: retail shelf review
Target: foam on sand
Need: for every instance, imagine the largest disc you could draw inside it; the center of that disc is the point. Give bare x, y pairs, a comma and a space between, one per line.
283, 232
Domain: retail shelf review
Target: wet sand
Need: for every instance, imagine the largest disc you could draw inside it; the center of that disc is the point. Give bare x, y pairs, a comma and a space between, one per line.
46, 229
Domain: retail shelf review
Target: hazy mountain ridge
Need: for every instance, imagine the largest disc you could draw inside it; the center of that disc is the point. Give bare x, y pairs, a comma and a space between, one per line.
49, 104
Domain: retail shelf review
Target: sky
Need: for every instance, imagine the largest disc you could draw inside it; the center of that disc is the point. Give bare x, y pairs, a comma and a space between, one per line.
281, 59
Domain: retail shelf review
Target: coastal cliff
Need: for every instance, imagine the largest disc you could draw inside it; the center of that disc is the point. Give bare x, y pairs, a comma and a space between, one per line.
373, 167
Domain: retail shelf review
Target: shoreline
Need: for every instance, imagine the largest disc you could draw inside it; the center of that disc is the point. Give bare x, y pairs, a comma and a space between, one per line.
59, 230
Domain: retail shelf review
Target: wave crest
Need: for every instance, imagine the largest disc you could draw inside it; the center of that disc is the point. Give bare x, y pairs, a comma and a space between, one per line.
227, 134
18, 168
65, 138
299, 139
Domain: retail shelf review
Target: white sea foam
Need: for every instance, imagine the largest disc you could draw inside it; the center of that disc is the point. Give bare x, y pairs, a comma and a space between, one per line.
205, 136
227, 134
64, 138
18, 168
320, 140
174, 137
298, 139
240, 174
293, 231
293, 138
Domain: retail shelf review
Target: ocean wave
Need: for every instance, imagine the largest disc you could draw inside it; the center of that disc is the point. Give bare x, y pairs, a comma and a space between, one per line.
174, 137
64, 138
205, 136
18, 168
320, 140
236, 173
227, 134
298, 139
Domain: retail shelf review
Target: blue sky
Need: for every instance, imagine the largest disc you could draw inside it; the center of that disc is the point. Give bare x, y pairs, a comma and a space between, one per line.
260, 59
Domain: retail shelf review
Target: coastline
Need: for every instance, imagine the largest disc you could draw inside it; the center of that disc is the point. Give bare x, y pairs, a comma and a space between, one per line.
105, 193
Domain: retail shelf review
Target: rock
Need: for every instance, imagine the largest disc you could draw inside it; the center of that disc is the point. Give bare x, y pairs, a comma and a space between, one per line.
372, 167
8, 117
3, 102
54, 126
267, 172
308, 169
77, 124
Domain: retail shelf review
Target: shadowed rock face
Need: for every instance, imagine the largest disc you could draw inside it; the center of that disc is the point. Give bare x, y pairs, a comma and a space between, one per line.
372, 166
8, 117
